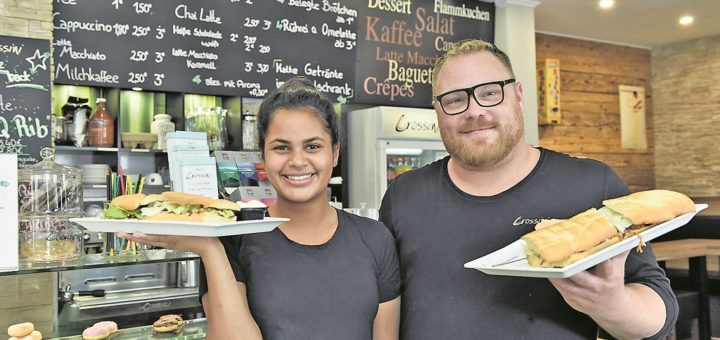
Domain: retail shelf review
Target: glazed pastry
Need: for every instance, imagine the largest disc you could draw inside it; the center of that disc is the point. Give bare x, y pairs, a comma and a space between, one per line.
20, 330
109, 325
95, 333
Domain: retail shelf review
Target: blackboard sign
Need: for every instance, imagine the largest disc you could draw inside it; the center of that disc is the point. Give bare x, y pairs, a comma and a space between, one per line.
24, 97
399, 42
218, 47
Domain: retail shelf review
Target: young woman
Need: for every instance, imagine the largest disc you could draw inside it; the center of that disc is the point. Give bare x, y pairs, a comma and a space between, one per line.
325, 274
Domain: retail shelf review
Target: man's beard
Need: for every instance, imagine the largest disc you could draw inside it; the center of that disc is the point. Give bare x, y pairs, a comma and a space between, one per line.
477, 152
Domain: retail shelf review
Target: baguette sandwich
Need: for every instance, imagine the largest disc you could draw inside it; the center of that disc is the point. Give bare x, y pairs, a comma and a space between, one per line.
558, 243
172, 206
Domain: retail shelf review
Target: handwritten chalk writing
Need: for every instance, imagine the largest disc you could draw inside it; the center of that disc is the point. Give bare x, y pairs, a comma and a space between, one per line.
249, 22
264, 49
182, 12
82, 74
63, 42
17, 78
262, 68
210, 43
29, 127
292, 26
5, 106
142, 7
159, 57
179, 52
279, 67
307, 5
158, 79
234, 37
138, 55
203, 65
181, 30
72, 26
140, 31
12, 48
82, 55
159, 32
211, 82
207, 33
316, 71
334, 89
136, 77
338, 33
11, 145
337, 8
67, 2
249, 42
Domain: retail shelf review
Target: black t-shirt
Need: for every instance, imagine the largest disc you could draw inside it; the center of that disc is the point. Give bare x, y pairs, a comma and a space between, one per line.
438, 228
328, 291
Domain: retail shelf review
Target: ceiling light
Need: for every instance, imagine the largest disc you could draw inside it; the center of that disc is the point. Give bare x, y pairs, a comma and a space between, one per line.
686, 20
606, 4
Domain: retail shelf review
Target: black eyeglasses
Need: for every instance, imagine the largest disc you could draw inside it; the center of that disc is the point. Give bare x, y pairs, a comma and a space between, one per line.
485, 94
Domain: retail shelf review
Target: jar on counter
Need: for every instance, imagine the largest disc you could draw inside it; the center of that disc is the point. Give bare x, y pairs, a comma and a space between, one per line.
48, 196
161, 125
101, 129
250, 139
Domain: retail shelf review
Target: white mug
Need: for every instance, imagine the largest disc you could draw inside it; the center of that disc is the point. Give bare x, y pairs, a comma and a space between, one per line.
154, 179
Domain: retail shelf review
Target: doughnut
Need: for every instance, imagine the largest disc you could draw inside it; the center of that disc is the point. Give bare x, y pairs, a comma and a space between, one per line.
20, 330
95, 333
168, 323
27, 337
112, 327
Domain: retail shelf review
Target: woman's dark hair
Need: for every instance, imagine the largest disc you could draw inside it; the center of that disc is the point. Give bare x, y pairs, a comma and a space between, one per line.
298, 93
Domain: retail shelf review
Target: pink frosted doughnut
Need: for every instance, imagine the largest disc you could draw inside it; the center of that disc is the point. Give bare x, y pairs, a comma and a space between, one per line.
95, 333
111, 326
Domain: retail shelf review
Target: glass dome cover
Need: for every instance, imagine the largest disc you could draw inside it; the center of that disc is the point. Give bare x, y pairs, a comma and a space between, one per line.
48, 188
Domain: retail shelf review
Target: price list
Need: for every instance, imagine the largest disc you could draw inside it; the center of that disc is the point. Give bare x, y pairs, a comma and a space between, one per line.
219, 47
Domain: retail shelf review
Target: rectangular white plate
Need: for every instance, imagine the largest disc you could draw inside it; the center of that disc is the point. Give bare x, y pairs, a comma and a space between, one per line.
180, 228
510, 261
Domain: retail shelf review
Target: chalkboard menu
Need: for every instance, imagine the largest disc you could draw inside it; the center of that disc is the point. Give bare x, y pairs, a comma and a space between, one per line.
219, 47
366, 52
399, 42
24, 97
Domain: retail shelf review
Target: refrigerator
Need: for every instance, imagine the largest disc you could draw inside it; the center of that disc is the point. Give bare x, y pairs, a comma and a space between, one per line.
383, 143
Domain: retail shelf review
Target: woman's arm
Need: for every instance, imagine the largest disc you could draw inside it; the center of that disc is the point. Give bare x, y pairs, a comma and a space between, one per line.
387, 320
225, 303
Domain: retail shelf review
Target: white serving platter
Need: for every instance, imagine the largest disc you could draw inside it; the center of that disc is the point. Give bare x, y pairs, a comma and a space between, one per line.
180, 228
510, 260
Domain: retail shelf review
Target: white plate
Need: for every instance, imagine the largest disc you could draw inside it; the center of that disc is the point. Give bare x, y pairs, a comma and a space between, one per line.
510, 261
180, 228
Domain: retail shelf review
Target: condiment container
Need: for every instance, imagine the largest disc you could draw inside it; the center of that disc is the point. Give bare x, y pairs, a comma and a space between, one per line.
101, 129
161, 125
49, 195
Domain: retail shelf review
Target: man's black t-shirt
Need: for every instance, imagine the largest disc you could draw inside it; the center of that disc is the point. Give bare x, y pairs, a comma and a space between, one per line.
438, 228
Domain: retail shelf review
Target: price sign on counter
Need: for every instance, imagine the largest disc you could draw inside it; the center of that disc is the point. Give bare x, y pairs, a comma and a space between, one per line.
24, 97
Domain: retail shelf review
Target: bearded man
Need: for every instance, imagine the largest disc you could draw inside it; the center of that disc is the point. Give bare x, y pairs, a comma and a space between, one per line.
484, 196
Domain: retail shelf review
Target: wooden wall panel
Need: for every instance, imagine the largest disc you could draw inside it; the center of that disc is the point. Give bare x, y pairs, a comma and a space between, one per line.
590, 73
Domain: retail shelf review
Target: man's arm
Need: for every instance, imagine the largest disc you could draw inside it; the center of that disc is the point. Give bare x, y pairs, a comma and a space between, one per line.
626, 311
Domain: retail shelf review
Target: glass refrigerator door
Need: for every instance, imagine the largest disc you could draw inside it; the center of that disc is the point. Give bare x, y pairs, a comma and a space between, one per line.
402, 156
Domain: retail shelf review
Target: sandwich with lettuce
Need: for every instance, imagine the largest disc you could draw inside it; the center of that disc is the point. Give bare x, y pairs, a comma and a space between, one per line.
172, 206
